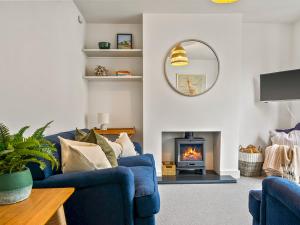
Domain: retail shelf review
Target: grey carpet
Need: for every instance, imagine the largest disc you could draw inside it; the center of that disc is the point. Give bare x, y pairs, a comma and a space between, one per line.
206, 204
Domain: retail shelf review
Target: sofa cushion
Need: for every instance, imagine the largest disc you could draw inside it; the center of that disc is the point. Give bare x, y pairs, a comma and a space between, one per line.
139, 160
297, 127
37, 173
146, 198
254, 204
93, 137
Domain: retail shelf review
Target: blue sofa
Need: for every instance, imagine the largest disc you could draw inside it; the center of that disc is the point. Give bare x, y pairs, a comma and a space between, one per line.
277, 204
124, 195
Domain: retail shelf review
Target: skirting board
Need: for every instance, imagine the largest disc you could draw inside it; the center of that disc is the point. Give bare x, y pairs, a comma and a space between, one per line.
234, 173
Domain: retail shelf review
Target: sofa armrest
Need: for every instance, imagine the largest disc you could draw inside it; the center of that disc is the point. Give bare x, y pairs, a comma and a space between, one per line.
101, 195
117, 175
282, 191
254, 204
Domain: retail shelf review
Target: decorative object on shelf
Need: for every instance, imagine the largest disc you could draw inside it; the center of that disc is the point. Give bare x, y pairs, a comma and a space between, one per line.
168, 168
123, 73
104, 45
250, 161
101, 71
190, 84
124, 41
103, 120
197, 57
224, 1
179, 56
15, 177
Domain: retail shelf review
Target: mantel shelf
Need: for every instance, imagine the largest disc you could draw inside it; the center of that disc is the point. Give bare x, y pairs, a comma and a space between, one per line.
113, 52
113, 78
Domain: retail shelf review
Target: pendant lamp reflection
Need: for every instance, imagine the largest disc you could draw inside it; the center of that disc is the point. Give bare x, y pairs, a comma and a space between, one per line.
178, 56
224, 1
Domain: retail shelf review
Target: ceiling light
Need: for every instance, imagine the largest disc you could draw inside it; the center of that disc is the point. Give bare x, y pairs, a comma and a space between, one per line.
179, 57
224, 1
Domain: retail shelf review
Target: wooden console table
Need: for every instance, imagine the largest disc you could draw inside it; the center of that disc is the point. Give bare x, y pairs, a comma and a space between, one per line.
116, 131
44, 206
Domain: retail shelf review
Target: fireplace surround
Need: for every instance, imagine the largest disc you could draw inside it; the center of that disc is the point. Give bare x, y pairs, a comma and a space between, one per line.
190, 154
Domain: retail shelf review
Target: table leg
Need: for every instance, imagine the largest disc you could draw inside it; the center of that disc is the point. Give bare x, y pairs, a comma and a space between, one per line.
58, 218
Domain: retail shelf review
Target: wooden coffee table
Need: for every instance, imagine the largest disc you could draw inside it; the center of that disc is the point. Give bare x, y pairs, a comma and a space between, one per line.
44, 206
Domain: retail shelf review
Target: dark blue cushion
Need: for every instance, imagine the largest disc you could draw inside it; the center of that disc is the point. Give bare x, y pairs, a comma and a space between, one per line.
254, 204
146, 198
139, 160
297, 127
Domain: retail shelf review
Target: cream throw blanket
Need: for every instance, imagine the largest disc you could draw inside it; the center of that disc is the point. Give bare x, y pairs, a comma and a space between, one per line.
283, 160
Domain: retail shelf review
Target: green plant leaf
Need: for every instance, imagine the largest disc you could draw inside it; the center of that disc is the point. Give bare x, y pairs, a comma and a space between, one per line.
38, 154
27, 143
19, 135
16, 151
4, 136
4, 152
38, 134
42, 164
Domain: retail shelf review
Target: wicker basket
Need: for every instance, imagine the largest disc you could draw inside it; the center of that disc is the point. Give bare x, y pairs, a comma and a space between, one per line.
168, 169
250, 164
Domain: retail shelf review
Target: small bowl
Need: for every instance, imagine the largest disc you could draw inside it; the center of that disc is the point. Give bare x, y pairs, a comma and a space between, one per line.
104, 45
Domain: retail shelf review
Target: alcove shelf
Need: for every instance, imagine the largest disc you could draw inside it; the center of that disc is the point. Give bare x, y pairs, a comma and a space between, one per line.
113, 52
113, 78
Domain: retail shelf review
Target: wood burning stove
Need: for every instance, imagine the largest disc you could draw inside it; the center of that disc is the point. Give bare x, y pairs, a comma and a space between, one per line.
190, 153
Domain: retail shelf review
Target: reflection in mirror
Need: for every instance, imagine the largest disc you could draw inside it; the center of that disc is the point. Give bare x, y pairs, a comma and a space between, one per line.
191, 67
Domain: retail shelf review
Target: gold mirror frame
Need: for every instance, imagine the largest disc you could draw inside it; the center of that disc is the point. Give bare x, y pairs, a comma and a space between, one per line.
165, 69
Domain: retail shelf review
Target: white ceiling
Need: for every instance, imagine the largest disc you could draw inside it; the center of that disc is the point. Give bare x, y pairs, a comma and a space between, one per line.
130, 11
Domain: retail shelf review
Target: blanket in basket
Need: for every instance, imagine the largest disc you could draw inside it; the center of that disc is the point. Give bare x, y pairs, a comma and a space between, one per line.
282, 160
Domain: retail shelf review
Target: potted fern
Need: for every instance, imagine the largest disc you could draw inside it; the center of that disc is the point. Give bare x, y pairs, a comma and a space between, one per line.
16, 151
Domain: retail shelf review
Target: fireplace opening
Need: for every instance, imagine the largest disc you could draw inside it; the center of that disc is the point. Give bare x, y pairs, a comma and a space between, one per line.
190, 154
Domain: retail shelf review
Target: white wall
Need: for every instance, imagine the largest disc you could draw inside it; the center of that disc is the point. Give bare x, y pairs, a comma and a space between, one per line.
122, 99
295, 105
266, 49
41, 65
217, 110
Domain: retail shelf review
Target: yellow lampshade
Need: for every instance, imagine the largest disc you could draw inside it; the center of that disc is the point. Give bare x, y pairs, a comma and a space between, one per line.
224, 1
179, 57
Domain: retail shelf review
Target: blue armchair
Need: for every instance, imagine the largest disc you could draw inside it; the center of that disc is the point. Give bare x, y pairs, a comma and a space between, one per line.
277, 204
124, 195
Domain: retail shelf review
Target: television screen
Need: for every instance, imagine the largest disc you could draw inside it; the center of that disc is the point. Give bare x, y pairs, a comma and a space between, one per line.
280, 86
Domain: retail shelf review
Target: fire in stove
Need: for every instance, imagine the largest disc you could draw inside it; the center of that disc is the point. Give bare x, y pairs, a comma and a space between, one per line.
191, 154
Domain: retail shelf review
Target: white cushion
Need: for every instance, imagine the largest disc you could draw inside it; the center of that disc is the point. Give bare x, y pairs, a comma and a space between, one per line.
115, 146
281, 138
128, 148
81, 156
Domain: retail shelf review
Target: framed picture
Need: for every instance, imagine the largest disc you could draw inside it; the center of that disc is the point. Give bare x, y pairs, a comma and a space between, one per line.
191, 84
124, 41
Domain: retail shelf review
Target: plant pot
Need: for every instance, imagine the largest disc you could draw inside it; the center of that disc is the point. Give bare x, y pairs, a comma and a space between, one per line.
104, 45
15, 187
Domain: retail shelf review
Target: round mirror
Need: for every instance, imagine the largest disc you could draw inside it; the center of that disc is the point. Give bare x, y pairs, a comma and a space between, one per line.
191, 67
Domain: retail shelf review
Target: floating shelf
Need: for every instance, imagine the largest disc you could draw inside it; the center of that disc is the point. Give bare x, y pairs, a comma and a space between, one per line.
113, 52
109, 78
